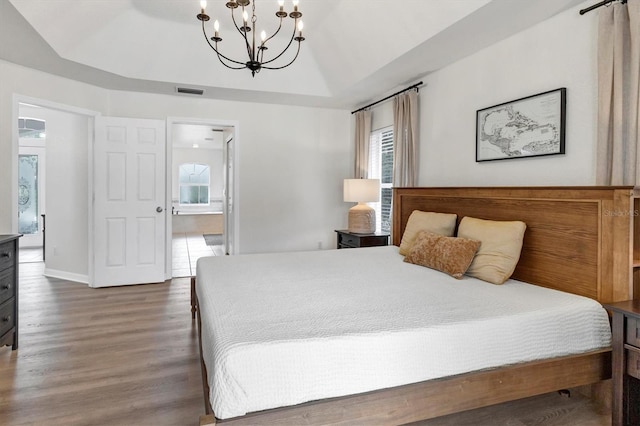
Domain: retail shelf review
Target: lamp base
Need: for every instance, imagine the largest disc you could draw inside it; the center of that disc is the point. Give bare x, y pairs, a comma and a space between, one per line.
362, 219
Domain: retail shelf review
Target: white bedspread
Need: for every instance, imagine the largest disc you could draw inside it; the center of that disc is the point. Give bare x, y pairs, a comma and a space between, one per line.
282, 329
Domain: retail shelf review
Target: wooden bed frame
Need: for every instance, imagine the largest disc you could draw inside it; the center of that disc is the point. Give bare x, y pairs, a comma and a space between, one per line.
578, 240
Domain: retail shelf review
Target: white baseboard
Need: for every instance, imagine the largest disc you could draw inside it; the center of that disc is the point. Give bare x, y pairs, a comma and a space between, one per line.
64, 275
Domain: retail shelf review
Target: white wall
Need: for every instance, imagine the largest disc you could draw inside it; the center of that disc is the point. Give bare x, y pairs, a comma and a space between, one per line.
560, 52
291, 160
67, 196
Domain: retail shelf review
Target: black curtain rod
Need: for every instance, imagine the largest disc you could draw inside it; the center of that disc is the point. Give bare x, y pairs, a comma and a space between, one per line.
388, 97
597, 5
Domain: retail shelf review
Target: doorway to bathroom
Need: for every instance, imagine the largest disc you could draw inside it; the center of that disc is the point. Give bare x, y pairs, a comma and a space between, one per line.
200, 194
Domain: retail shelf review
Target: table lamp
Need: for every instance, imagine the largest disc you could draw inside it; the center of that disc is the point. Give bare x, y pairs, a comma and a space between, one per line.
362, 218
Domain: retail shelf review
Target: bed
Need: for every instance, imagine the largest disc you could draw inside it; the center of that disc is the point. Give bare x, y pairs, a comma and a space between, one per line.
572, 244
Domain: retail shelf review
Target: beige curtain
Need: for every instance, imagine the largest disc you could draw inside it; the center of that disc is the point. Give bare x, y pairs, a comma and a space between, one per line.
618, 153
405, 145
363, 133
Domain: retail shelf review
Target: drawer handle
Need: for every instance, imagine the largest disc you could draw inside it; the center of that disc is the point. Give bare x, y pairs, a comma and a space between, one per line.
7, 318
6, 286
6, 254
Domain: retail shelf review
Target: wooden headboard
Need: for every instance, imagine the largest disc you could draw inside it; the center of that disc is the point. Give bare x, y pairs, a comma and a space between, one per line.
578, 239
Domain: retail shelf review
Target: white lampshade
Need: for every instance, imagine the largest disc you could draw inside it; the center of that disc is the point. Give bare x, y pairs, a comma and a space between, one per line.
361, 190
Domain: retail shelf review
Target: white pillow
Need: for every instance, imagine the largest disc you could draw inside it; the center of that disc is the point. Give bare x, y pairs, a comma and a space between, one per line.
437, 223
500, 247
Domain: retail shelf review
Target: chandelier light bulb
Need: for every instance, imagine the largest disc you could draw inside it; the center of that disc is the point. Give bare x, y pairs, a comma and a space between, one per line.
245, 16
263, 36
203, 4
300, 26
281, 3
296, 14
216, 26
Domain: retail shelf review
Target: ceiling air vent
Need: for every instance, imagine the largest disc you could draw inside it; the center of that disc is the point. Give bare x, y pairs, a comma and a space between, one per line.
190, 91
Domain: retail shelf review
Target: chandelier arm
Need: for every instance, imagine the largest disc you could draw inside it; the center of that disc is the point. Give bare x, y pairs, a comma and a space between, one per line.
284, 66
218, 52
229, 66
274, 34
233, 18
242, 33
286, 48
264, 43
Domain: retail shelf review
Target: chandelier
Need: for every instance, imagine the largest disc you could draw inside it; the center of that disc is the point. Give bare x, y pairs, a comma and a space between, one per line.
255, 51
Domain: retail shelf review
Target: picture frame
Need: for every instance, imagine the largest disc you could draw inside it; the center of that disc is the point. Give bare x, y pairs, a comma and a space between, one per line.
532, 126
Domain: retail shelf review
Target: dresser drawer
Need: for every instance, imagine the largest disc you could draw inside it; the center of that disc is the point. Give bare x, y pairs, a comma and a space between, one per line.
633, 332
7, 285
350, 240
633, 363
7, 316
7, 254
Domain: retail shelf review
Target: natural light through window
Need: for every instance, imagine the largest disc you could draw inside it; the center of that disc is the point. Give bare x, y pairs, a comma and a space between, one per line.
194, 184
381, 167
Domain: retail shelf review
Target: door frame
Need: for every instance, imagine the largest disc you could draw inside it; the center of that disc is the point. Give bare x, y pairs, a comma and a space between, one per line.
229, 244
18, 99
171, 121
23, 99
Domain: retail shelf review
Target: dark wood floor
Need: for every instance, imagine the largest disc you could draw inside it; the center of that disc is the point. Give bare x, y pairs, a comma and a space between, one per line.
113, 356
129, 356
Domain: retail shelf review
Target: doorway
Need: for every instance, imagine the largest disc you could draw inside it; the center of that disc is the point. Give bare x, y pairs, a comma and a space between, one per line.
31, 184
69, 187
50, 179
198, 189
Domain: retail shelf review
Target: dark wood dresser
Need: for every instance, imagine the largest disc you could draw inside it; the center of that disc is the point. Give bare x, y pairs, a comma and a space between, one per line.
626, 362
9, 291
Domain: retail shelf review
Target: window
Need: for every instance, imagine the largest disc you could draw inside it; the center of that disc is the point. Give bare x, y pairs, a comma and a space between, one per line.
381, 167
28, 194
31, 128
194, 184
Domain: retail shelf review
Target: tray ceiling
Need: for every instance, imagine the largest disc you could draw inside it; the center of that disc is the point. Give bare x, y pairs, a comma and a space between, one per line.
355, 50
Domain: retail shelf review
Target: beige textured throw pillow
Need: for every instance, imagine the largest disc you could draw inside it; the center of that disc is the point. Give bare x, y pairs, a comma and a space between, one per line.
501, 243
438, 223
445, 254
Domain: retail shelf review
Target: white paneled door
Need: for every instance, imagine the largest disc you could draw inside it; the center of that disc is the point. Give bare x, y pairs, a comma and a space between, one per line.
129, 202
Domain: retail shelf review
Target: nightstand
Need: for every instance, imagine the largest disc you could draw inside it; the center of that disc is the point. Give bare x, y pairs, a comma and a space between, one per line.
626, 362
348, 239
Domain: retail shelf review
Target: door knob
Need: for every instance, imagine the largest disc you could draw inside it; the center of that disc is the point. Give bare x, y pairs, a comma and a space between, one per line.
159, 209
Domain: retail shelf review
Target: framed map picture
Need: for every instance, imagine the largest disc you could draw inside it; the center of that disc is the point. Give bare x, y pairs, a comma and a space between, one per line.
527, 127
